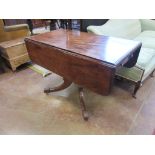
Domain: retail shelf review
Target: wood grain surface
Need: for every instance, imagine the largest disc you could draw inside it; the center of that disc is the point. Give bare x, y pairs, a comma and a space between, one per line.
85, 59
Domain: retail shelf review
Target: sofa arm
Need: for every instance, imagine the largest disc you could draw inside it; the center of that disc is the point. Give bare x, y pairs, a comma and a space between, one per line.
94, 29
16, 27
147, 24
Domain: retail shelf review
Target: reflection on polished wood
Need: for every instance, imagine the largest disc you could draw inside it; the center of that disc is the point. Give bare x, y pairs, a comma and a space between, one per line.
86, 59
102, 48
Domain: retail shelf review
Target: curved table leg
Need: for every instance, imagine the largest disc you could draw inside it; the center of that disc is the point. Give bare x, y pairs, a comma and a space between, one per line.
64, 85
83, 107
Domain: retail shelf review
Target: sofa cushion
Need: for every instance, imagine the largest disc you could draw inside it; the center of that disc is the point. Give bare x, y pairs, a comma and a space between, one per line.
124, 28
146, 61
147, 38
147, 24
149, 68
145, 57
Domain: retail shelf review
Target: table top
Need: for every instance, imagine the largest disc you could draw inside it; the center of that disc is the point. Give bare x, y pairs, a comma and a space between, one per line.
103, 48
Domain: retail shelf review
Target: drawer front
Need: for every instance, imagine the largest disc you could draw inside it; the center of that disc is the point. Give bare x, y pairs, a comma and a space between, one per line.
14, 51
14, 63
19, 61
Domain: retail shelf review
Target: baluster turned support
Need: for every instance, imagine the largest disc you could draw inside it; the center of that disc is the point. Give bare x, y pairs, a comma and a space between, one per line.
82, 103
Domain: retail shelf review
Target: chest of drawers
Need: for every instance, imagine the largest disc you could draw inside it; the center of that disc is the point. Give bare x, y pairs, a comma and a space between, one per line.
14, 52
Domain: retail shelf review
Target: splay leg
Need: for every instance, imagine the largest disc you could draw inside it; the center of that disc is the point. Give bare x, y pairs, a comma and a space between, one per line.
64, 85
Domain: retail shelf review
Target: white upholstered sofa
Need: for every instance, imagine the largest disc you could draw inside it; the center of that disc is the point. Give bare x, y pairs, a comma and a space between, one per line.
142, 30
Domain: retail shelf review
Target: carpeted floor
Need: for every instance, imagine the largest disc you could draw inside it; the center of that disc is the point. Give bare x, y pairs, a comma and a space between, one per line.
25, 109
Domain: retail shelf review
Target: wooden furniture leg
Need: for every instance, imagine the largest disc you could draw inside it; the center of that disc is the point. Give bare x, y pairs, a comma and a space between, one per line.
137, 86
64, 85
152, 73
83, 107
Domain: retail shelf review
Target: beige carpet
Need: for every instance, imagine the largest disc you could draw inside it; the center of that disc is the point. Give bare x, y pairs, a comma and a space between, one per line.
25, 109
